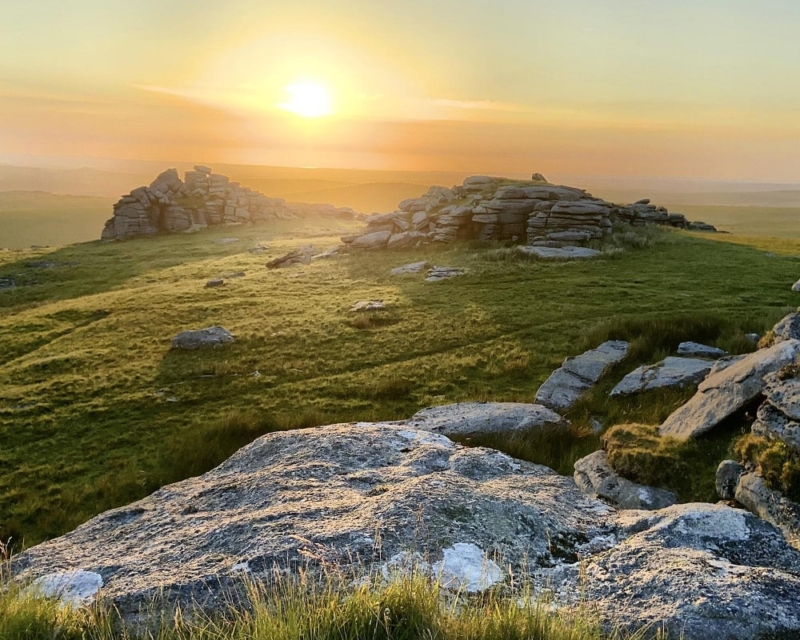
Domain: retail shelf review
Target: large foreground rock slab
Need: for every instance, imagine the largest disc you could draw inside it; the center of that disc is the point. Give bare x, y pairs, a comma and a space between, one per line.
699, 571
669, 373
595, 477
579, 374
726, 392
347, 496
467, 419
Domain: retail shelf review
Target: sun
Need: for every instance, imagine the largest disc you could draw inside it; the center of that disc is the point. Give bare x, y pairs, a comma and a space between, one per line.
307, 99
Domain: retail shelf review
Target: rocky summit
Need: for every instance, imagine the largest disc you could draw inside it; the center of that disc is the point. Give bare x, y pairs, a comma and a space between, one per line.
533, 211
201, 200
372, 500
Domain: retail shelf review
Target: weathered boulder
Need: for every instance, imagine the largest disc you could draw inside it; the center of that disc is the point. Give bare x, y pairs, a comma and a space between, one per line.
728, 474
771, 506
595, 477
481, 418
724, 393
698, 571
351, 496
215, 282
697, 350
670, 372
374, 240
199, 338
787, 329
778, 417
579, 374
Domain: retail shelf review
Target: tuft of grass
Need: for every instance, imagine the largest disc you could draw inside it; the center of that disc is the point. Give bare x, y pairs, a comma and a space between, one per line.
555, 447
777, 463
406, 608
640, 453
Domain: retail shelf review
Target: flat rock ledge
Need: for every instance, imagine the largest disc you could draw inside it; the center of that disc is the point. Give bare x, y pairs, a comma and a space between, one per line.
727, 391
468, 419
577, 375
383, 496
200, 338
669, 373
595, 477
559, 253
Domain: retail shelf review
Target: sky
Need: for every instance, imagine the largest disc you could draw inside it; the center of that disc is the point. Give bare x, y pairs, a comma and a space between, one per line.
686, 88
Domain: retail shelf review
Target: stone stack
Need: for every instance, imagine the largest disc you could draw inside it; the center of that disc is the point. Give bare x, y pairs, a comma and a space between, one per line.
202, 199
486, 208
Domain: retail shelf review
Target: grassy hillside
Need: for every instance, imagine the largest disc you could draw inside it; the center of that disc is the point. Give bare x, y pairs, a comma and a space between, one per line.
34, 217
781, 222
95, 410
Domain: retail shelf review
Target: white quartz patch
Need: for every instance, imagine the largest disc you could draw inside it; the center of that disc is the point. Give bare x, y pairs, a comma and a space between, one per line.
73, 588
466, 567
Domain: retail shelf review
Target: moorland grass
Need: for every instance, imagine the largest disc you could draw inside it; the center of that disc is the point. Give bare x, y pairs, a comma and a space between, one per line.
405, 608
96, 411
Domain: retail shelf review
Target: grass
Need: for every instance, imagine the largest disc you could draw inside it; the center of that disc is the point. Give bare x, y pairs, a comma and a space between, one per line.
405, 608
96, 411
33, 217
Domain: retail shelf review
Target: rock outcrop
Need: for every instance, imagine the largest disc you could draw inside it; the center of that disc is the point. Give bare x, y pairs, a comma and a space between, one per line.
486, 208
351, 497
727, 391
203, 199
579, 374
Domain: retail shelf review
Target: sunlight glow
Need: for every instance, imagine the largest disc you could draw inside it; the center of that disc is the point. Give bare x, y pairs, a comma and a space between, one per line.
307, 99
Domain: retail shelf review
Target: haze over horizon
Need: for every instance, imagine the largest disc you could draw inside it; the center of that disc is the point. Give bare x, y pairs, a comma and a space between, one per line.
703, 89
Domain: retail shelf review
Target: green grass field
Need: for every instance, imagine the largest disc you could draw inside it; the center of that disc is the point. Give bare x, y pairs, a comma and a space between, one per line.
37, 218
96, 411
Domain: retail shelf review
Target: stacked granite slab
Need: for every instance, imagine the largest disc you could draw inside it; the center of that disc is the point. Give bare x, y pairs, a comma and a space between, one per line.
202, 199
487, 208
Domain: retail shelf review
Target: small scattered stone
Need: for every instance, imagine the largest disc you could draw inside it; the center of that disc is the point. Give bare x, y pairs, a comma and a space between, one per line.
7, 283
411, 268
728, 474
560, 253
368, 305
595, 477
697, 350
436, 274
226, 240
195, 339
215, 282
796, 286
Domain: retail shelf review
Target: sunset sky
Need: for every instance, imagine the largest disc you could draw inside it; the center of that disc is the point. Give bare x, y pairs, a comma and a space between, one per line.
686, 88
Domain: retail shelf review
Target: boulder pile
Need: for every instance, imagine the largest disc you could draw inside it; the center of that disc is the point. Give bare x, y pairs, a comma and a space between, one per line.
203, 199
486, 208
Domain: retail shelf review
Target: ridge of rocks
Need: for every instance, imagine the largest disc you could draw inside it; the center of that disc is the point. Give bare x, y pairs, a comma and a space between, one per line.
201, 200
486, 208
